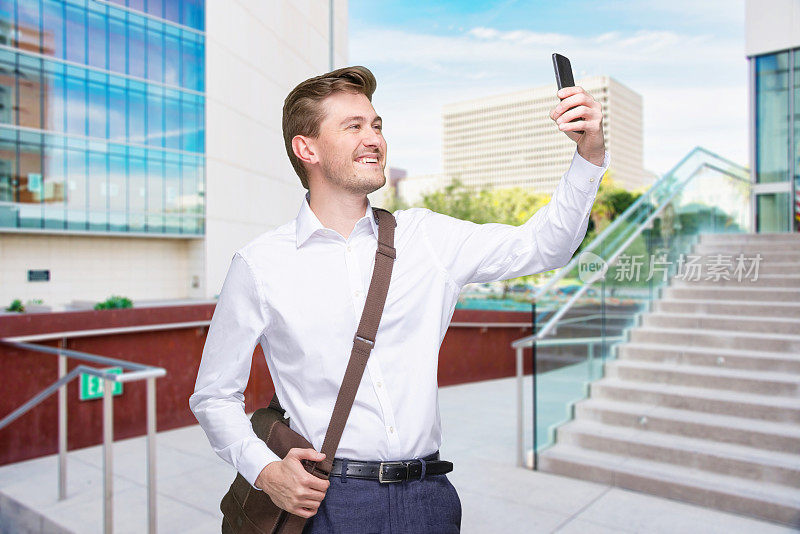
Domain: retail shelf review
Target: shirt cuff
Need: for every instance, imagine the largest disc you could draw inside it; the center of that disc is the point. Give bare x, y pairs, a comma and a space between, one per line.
261, 455
585, 175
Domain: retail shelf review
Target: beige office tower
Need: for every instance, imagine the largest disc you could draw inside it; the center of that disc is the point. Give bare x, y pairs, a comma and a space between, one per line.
510, 140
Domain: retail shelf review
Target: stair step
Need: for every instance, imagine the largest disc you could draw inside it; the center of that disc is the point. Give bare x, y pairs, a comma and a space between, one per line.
704, 356
730, 279
764, 238
707, 337
750, 405
772, 502
716, 457
730, 253
747, 381
764, 268
689, 423
729, 307
709, 291
738, 322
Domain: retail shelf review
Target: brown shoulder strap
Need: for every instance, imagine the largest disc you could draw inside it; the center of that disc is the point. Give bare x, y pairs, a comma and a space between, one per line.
364, 339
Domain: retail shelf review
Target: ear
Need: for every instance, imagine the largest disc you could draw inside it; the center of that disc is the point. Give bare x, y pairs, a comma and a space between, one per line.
304, 149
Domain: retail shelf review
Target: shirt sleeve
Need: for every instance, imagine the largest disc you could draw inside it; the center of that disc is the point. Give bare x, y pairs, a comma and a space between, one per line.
489, 252
237, 323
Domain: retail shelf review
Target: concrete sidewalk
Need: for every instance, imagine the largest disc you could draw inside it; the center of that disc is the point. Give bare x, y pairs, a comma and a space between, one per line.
479, 437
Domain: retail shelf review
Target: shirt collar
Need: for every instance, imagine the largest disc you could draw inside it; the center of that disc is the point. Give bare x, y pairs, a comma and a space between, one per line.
307, 222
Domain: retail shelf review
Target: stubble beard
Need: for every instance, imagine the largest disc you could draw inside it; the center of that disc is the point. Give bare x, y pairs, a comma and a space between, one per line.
344, 175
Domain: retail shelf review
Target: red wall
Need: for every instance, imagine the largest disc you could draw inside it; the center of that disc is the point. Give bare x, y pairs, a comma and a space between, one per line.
467, 355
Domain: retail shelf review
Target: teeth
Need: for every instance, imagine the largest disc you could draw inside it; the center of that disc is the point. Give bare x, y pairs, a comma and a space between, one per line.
367, 160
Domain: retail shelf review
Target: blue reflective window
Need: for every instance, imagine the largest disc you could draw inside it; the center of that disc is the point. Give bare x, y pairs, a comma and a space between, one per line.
117, 192
136, 114
76, 105
117, 114
8, 88
28, 33
155, 51
55, 164
156, 8
97, 109
136, 191
155, 191
61, 179
8, 173
155, 115
192, 55
97, 40
136, 46
29, 85
54, 115
772, 117
172, 10
76, 34
76, 187
138, 5
7, 17
172, 60
192, 14
53, 29
117, 60
98, 191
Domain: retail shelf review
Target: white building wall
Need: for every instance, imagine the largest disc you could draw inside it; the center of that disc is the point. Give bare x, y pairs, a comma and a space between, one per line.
256, 53
771, 25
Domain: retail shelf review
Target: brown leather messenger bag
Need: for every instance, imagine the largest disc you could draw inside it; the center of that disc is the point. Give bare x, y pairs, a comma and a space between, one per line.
249, 511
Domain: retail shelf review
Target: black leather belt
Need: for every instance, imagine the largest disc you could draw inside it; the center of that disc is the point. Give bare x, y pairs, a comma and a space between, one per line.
397, 471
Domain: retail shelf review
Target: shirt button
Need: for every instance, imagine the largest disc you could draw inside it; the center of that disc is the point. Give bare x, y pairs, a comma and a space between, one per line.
349, 249
590, 179
379, 383
357, 293
391, 429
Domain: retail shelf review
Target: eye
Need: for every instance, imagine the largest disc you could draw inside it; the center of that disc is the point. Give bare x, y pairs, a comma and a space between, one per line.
379, 126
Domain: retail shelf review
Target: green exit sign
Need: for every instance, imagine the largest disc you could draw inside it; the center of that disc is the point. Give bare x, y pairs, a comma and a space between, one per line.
92, 386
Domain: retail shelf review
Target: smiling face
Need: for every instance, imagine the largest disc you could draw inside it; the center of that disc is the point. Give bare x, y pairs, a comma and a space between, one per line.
350, 146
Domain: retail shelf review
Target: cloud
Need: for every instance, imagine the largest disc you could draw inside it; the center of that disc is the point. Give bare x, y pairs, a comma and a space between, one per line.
693, 84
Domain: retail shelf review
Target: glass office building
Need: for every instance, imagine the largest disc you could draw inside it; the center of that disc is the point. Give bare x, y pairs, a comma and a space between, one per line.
102, 116
775, 86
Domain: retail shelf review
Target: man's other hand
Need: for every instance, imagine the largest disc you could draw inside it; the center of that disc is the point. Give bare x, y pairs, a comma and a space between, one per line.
290, 486
577, 103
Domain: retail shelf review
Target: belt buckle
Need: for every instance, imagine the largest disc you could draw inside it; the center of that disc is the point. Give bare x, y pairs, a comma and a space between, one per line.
393, 464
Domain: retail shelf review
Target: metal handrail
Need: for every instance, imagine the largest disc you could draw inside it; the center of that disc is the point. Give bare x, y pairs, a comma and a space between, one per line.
630, 210
137, 371
639, 229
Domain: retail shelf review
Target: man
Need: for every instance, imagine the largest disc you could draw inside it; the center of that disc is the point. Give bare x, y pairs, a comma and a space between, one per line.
299, 291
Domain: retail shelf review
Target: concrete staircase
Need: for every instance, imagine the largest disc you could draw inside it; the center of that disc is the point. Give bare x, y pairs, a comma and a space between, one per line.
702, 403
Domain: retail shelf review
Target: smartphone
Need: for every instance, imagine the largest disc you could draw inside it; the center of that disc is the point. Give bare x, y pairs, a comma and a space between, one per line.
564, 77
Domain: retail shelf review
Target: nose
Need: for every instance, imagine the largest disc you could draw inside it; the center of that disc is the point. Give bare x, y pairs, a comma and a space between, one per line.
372, 138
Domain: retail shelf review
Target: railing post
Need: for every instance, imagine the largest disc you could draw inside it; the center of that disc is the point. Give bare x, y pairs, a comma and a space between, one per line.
108, 469
520, 410
151, 455
62, 424
533, 358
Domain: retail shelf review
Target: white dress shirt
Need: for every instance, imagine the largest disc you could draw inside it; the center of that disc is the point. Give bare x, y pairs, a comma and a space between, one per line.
299, 291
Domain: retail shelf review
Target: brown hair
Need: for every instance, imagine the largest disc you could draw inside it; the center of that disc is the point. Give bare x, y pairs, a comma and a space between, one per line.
303, 112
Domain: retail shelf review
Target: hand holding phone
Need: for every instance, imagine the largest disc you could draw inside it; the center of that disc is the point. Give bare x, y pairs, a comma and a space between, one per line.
564, 76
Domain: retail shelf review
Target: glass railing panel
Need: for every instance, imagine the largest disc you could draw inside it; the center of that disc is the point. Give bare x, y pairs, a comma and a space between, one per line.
585, 311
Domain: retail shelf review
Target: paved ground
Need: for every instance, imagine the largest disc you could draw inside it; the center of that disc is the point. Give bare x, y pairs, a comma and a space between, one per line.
479, 437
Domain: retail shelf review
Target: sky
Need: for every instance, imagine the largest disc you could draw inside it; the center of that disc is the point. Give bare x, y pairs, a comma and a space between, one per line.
685, 57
